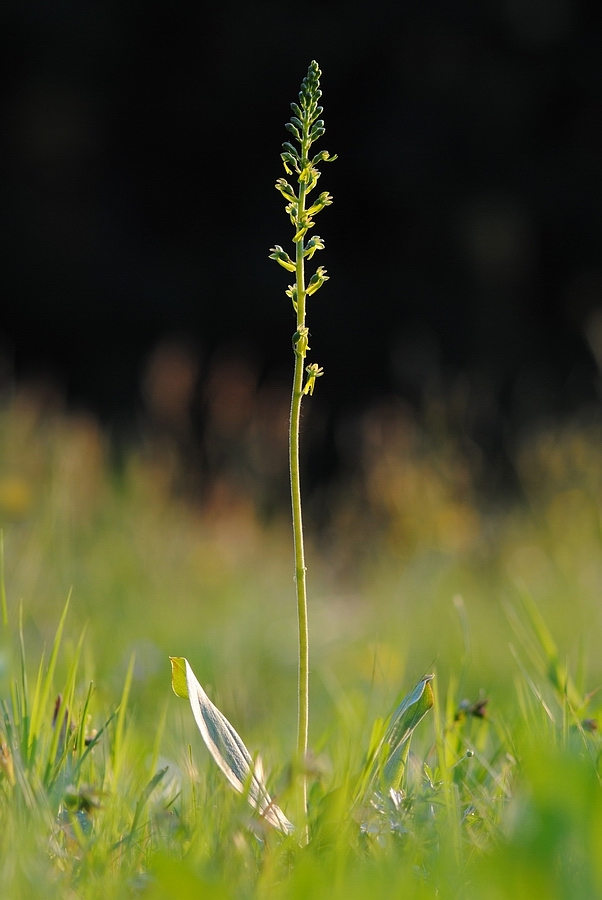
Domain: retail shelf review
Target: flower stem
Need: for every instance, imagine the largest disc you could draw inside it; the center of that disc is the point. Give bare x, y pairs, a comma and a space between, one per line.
306, 127
300, 570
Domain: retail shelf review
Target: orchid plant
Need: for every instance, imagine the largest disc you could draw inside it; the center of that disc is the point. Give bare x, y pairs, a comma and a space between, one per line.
385, 761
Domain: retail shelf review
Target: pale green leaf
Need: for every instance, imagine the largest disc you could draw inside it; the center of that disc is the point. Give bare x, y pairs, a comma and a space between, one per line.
226, 746
386, 763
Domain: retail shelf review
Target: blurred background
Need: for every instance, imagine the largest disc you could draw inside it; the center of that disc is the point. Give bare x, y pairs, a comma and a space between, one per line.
140, 145
452, 447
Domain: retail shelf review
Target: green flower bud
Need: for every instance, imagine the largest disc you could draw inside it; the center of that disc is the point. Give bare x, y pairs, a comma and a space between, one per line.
291, 149
309, 176
282, 257
314, 174
293, 130
290, 163
301, 341
313, 371
316, 281
314, 243
323, 156
292, 293
291, 209
302, 229
323, 200
286, 190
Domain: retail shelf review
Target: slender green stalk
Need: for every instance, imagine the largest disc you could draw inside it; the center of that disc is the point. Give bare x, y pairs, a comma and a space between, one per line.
306, 127
298, 543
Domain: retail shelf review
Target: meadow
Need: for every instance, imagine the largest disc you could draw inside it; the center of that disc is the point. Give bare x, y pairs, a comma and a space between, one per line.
106, 788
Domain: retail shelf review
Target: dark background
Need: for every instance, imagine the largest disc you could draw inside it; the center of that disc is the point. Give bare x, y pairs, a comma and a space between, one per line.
140, 144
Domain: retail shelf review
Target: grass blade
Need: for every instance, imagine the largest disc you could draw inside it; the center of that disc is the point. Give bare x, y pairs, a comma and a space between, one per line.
3, 582
155, 780
25, 723
546, 657
43, 695
120, 721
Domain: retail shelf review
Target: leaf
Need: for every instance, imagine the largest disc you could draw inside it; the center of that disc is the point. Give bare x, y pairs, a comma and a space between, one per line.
226, 746
44, 685
386, 763
150, 787
178, 676
403, 722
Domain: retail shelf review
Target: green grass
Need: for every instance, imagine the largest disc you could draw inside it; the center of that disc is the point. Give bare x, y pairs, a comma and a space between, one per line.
118, 798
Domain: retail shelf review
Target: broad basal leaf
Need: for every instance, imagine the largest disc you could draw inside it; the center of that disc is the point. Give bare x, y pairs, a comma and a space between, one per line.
226, 746
385, 765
